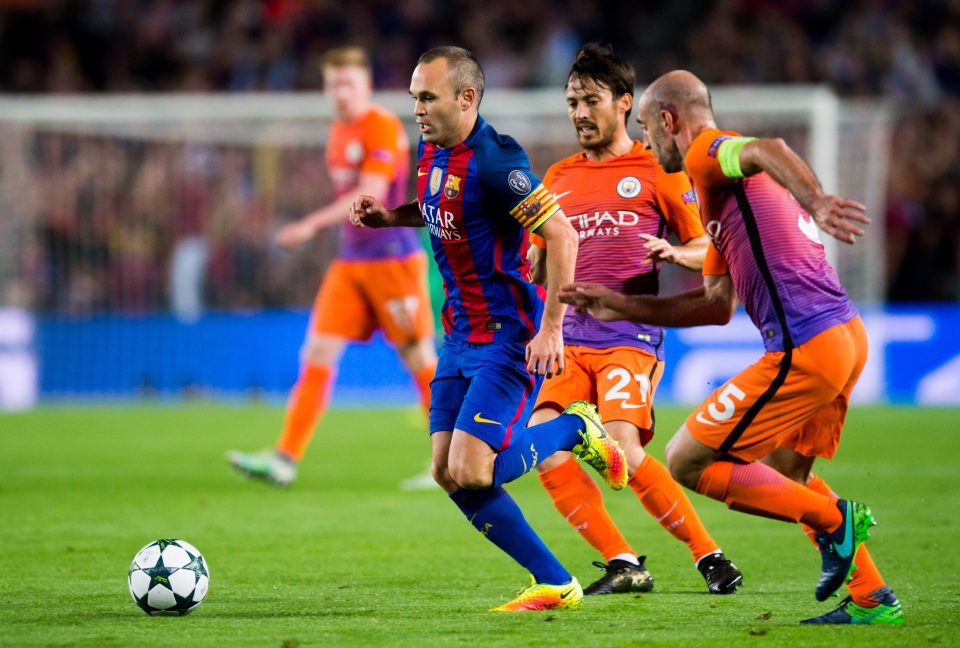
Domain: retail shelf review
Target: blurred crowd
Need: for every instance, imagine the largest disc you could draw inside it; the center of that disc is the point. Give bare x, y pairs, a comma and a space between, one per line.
216, 207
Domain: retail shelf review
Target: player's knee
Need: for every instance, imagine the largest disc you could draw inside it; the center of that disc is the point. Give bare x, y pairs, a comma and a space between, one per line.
686, 476
471, 476
322, 351
418, 355
683, 471
443, 478
635, 457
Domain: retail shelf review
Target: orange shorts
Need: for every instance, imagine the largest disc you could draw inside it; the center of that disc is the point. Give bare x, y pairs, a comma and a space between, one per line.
797, 400
357, 297
620, 380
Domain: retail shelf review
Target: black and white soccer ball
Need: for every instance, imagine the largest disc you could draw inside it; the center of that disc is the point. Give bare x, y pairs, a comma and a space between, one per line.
168, 577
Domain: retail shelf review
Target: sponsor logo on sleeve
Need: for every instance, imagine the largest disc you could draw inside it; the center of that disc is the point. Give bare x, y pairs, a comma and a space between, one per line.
712, 151
689, 197
518, 182
628, 187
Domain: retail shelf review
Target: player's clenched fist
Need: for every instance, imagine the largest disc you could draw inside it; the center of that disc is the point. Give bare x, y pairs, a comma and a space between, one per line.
367, 211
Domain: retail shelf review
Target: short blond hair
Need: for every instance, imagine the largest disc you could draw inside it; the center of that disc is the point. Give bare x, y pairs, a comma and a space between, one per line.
351, 56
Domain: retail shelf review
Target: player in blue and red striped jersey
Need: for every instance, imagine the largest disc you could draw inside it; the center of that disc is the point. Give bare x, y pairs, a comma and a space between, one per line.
479, 200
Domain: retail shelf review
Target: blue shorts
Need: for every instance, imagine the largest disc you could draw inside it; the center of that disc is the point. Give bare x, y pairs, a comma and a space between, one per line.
482, 389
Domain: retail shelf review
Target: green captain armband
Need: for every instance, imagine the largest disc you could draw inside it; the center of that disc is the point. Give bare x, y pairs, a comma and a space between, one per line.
729, 156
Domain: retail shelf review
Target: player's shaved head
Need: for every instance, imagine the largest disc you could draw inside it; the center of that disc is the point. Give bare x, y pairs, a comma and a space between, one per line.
679, 91
673, 110
465, 69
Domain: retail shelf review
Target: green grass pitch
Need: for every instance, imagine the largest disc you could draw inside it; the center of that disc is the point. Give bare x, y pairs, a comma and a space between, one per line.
345, 557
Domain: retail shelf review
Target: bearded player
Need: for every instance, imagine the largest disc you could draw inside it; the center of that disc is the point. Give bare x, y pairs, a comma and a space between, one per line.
622, 205
752, 444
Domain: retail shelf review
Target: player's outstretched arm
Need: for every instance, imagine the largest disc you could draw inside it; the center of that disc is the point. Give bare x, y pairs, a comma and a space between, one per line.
712, 303
687, 255
835, 215
295, 234
367, 211
545, 351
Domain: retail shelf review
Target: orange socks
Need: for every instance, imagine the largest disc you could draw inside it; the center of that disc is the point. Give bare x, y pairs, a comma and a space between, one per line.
665, 500
866, 577
758, 489
308, 400
423, 378
578, 499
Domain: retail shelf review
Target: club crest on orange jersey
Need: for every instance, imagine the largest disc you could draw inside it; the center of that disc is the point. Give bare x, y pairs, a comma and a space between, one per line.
628, 187
436, 175
452, 187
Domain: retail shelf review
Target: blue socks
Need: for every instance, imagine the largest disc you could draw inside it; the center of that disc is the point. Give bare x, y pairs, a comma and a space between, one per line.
533, 444
495, 515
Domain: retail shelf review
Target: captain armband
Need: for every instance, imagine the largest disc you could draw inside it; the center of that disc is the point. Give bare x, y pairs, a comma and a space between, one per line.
729, 156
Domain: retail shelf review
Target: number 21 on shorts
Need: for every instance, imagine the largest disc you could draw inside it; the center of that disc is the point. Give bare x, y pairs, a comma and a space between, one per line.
724, 407
618, 391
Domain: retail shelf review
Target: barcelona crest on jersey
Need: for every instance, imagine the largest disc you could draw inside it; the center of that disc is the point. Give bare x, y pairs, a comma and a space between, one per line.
452, 187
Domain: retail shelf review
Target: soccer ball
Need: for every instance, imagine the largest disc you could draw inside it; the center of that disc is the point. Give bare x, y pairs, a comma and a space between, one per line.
168, 577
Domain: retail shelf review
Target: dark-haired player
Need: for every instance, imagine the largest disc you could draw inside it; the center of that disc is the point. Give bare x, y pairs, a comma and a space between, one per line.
753, 442
479, 200
623, 205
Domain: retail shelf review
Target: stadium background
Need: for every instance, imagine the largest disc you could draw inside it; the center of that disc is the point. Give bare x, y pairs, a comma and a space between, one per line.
98, 210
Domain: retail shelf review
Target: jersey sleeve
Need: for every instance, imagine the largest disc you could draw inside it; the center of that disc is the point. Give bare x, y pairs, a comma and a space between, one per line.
713, 263
513, 188
383, 145
703, 159
678, 204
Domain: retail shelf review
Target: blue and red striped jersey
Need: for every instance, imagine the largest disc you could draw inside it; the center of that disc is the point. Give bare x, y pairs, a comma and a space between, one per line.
479, 201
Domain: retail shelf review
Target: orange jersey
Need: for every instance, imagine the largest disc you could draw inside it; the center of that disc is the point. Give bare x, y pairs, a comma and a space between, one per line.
769, 246
375, 143
610, 204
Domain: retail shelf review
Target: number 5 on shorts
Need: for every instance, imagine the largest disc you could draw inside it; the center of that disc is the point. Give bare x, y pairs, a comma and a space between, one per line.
725, 399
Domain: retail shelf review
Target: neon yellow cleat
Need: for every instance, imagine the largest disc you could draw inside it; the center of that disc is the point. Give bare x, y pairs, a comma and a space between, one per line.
599, 449
539, 596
